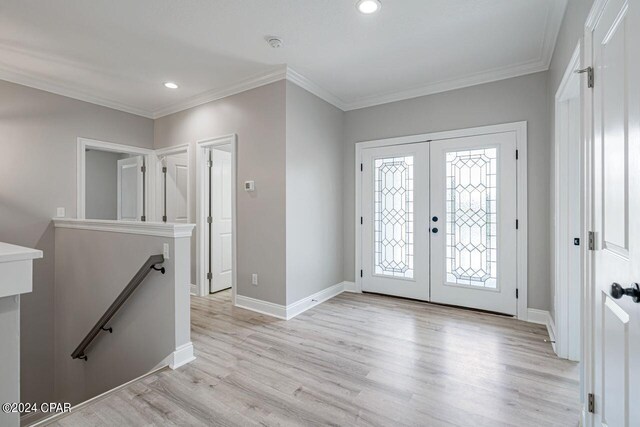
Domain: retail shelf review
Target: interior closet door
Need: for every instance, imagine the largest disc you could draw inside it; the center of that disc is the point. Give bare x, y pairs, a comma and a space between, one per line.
130, 189
177, 187
473, 222
395, 226
221, 235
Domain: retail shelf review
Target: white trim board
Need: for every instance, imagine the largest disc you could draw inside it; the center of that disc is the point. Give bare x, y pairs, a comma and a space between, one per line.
520, 129
180, 357
292, 310
159, 229
542, 317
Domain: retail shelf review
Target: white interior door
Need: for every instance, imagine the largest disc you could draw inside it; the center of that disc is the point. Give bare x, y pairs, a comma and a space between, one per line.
130, 188
473, 228
177, 175
395, 226
616, 215
221, 255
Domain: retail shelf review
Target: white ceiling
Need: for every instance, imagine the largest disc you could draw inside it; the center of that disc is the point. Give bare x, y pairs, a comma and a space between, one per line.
119, 52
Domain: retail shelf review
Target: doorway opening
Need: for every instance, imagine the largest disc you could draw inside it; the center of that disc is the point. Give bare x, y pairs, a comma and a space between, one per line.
567, 233
216, 221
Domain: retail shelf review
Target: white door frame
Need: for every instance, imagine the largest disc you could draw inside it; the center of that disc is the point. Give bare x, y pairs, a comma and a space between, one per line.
150, 182
201, 218
563, 303
588, 273
159, 154
520, 129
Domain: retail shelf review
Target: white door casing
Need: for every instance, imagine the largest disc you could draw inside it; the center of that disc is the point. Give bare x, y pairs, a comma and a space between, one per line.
395, 209
130, 188
616, 214
221, 245
474, 214
177, 182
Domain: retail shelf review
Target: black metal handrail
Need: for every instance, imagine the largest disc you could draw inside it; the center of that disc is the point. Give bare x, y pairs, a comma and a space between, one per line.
150, 264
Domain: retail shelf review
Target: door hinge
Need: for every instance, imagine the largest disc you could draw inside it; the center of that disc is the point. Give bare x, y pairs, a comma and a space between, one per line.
590, 76
592, 241
209, 163
143, 169
143, 218
517, 155
361, 167
164, 218
164, 169
516, 293
209, 220
517, 224
209, 275
591, 403
361, 273
361, 221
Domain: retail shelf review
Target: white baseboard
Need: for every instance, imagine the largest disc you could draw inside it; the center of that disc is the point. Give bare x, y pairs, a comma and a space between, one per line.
543, 317
292, 310
194, 289
262, 307
350, 287
180, 357
300, 306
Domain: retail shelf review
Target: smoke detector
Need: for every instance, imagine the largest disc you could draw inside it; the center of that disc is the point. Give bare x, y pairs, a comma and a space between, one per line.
274, 42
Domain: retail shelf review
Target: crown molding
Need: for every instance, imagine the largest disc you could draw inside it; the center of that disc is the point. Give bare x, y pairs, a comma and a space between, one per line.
552, 28
453, 84
300, 80
34, 82
255, 81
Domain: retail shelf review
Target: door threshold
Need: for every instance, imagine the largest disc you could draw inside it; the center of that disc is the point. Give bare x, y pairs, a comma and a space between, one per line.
478, 310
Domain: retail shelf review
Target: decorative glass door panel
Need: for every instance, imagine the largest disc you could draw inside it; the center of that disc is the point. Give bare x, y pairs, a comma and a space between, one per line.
393, 216
471, 205
395, 207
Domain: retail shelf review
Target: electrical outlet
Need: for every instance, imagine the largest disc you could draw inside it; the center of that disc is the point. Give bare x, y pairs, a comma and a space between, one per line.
60, 213
165, 251
254, 279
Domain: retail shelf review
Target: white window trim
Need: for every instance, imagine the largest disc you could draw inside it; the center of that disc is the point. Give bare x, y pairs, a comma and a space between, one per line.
150, 162
520, 128
201, 213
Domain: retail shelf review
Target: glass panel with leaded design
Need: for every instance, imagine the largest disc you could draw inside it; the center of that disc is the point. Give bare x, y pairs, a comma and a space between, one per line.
393, 217
471, 226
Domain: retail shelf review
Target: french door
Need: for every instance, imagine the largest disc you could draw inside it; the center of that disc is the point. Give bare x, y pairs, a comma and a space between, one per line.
439, 221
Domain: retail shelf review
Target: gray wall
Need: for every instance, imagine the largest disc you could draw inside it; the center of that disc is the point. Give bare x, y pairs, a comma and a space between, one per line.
101, 184
571, 32
314, 194
38, 132
258, 118
516, 99
91, 269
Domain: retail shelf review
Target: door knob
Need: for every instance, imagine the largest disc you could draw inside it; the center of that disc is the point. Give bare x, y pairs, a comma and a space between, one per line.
618, 291
434, 219
434, 230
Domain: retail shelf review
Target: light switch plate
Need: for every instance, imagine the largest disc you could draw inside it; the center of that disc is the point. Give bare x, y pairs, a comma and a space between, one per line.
165, 251
60, 213
254, 279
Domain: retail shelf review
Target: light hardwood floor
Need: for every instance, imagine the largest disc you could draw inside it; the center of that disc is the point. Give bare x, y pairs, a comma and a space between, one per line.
357, 359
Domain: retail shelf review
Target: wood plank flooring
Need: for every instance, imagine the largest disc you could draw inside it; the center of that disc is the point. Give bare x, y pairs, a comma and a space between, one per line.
357, 359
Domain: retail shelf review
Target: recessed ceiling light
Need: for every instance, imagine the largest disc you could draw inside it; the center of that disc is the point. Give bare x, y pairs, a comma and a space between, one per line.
171, 85
368, 6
